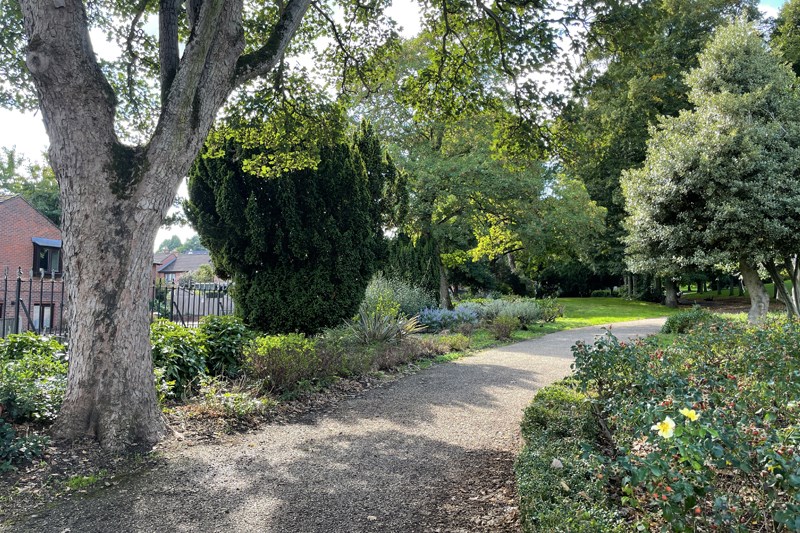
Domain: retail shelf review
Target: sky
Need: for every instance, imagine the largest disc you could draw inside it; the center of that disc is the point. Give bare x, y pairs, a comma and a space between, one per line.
26, 132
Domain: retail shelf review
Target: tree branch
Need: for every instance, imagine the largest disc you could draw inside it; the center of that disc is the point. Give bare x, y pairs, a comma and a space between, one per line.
134, 57
167, 44
193, 12
264, 59
337, 36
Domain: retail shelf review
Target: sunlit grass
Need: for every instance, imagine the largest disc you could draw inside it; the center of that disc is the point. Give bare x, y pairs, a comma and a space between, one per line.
580, 312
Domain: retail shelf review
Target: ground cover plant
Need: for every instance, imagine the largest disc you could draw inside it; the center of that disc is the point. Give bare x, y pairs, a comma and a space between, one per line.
700, 435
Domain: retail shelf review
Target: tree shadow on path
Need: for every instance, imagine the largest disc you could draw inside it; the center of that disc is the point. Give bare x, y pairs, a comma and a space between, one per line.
407, 457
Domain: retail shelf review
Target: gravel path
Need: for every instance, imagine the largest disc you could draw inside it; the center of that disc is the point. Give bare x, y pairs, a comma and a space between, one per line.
430, 452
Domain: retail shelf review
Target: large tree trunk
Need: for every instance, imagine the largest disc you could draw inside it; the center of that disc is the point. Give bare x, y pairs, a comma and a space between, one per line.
671, 293
114, 198
108, 245
759, 297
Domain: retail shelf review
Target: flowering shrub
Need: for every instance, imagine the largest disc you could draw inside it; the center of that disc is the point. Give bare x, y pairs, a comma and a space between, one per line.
527, 310
224, 338
389, 296
16, 448
280, 362
504, 326
704, 434
372, 327
685, 320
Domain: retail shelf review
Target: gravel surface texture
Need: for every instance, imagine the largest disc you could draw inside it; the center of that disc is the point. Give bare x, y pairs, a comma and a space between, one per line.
430, 452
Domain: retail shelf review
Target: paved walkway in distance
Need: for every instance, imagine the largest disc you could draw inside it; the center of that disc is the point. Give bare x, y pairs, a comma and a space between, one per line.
429, 452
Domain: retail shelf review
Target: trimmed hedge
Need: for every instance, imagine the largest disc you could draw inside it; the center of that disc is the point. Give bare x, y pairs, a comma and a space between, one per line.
556, 427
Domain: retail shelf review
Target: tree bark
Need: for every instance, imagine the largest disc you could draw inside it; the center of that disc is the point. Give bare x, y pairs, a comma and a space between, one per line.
445, 302
780, 288
168, 50
759, 298
792, 264
671, 292
115, 197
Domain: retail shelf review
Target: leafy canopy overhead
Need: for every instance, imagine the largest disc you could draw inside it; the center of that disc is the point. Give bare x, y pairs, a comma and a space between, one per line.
349, 43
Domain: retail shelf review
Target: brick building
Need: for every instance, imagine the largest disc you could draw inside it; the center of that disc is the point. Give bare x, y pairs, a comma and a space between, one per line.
30, 243
171, 266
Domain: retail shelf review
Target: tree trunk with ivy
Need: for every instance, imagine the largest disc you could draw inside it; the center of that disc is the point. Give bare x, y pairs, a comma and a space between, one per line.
115, 196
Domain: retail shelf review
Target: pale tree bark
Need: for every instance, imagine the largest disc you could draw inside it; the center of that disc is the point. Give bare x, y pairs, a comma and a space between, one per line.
780, 289
445, 302
792, 264
759, 297
115, 197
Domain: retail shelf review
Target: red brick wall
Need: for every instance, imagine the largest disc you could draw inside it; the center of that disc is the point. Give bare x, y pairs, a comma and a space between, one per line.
19, 223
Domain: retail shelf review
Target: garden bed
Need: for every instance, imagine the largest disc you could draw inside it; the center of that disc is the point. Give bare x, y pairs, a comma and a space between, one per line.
698, 435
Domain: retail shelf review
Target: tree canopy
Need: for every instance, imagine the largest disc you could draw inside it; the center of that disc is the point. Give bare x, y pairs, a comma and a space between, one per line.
631, 72
34, 182
720, 182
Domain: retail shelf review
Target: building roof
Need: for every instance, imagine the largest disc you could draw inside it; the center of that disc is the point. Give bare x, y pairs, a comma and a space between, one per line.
5, 201
186, 263
159, 257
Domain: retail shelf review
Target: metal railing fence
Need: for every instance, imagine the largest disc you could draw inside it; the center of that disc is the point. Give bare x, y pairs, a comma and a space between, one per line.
38, 303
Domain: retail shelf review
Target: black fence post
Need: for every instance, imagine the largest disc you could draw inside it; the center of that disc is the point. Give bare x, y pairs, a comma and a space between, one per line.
17, 300
172, 302
4, 307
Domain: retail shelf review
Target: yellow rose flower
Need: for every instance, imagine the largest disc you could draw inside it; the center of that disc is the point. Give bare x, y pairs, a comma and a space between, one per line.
691, 414
666, 428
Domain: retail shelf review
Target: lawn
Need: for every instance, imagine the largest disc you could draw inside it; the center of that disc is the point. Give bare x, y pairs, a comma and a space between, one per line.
580, 312
725, 295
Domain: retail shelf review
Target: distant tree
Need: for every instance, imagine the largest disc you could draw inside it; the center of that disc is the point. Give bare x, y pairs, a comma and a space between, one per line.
721, 183
474, 202
192, 244
170, 244
301, 246
632, 72
33, 181
203, 274
786, 37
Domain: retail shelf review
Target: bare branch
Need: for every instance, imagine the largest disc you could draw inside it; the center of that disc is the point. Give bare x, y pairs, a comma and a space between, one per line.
348, 57
140, 9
